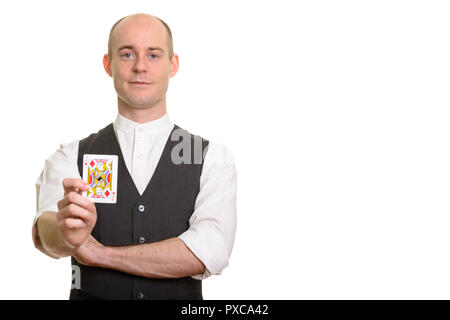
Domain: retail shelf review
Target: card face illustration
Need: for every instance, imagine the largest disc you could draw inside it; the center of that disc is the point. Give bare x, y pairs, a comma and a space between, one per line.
100, 172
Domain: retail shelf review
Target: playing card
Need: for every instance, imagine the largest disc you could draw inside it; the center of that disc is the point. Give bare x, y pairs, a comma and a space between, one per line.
100, 172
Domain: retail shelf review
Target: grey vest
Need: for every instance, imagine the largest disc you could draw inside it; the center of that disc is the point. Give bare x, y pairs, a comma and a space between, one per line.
162, 212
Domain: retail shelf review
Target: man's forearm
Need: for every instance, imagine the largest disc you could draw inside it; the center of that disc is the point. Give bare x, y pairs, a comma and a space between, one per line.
47, 239
169, 258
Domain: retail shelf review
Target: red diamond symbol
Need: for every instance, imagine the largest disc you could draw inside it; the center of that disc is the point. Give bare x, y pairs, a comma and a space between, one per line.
92, 163
107, 193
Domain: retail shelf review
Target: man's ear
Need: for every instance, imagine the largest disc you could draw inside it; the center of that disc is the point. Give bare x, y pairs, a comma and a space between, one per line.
174, 64
107, 64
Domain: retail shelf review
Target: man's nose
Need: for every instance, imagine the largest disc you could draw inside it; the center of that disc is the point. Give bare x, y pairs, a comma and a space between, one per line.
140, 64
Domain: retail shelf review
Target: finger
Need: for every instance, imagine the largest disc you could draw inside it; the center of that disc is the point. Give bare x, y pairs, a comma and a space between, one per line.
74, 184
75, 198
74, 211
72, 223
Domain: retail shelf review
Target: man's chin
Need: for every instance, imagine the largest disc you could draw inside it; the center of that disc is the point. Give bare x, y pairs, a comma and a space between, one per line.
140, 104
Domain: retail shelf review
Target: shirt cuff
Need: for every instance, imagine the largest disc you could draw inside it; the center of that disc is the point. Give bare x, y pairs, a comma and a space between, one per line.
208, 251
47, 197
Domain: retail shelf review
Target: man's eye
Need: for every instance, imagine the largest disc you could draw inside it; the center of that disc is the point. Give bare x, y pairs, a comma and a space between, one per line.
126, 55
153, 56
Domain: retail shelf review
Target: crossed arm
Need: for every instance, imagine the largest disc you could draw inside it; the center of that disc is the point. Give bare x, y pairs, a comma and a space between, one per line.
170, 258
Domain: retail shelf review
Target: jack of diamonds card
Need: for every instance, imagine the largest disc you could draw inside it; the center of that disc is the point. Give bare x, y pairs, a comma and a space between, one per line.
100, 172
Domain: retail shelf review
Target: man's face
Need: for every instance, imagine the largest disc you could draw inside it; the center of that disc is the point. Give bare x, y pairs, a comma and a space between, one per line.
140, 64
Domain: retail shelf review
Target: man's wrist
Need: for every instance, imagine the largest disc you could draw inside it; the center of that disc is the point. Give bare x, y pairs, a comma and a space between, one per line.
103, 257
66, 248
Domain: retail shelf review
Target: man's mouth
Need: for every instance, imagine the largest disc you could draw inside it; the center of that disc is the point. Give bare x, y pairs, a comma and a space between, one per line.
140, 83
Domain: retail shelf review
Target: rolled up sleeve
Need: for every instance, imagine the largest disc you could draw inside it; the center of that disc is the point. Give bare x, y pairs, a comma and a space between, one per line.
49, 190
212, 226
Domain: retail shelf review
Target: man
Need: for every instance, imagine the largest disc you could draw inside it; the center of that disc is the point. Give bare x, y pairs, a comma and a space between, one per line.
173, 223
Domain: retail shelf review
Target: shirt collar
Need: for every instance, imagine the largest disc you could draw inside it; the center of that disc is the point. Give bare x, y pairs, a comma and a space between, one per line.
152, 127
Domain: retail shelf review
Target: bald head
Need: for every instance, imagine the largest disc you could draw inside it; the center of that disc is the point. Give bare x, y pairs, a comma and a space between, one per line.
139, 18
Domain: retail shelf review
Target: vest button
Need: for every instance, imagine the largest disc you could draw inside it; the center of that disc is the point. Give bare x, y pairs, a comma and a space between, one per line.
141, 240
140, 295
141, 208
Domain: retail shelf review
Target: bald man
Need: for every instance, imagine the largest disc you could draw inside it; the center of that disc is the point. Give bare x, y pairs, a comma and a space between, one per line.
174, 221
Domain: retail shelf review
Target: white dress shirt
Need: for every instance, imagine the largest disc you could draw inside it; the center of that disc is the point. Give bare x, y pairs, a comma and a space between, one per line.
212, 226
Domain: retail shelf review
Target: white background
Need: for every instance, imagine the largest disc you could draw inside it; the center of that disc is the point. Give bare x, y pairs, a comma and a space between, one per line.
336, 112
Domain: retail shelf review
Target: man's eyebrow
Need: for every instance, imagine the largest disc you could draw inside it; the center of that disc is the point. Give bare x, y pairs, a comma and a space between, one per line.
133, 48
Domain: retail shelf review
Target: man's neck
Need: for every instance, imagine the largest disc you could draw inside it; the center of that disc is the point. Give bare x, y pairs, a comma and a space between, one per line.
142, 115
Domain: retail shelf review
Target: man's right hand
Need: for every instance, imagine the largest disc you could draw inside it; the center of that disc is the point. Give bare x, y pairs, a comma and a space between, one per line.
77, 215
